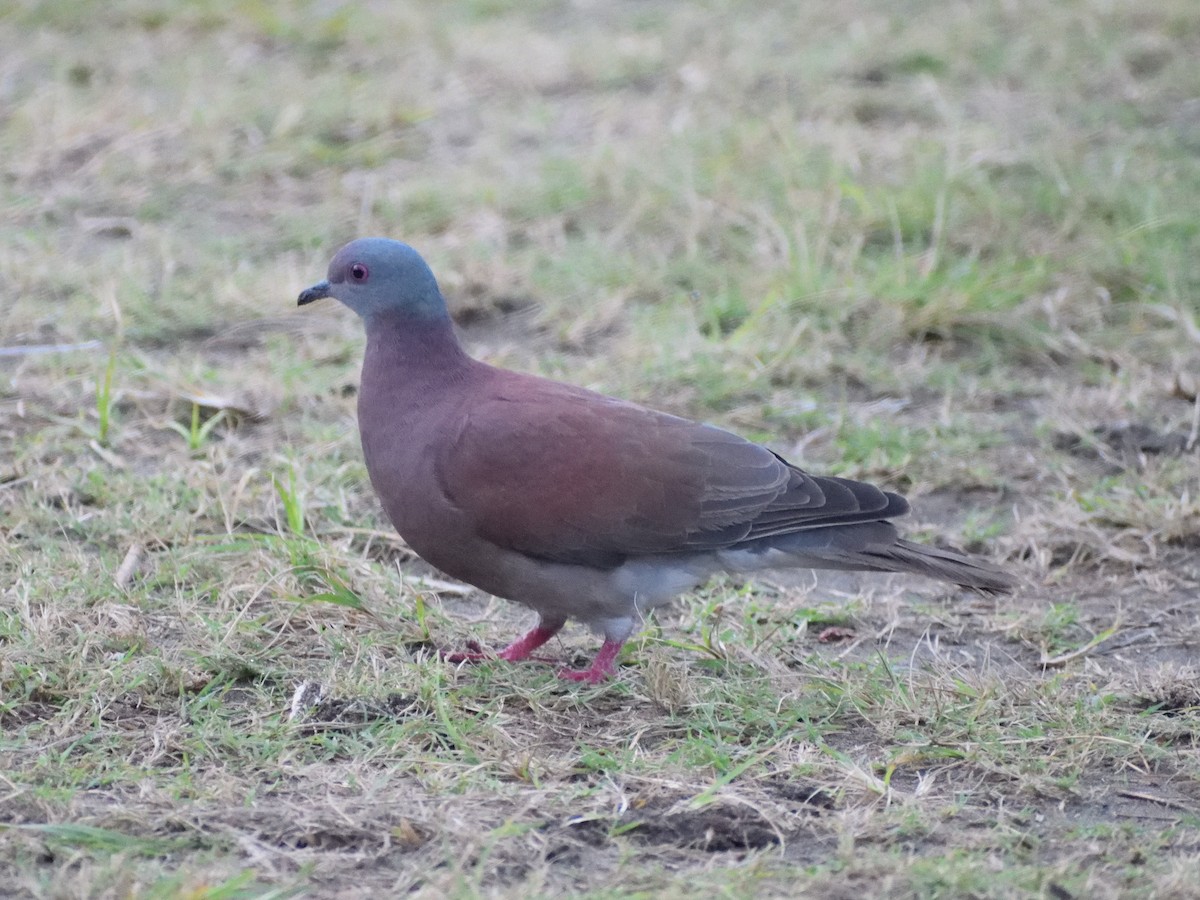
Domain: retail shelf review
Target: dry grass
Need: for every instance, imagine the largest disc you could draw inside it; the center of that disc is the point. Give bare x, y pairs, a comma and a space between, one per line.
947, 247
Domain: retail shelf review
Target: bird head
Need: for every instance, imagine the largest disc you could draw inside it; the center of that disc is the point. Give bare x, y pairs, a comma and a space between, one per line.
376, 276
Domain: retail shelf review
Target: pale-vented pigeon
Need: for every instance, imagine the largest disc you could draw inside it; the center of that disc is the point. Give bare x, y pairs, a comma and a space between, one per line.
575, 504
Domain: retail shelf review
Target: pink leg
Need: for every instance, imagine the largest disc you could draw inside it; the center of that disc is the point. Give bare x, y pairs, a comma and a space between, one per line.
523, 647
520, 649
601, 667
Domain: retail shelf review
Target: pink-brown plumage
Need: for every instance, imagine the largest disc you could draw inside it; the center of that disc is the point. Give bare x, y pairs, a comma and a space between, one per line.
576, 504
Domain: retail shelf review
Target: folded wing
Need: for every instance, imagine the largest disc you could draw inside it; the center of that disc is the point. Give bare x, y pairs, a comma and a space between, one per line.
563, 474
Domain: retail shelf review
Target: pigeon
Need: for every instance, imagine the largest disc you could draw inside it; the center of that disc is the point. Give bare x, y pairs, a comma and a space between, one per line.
579, 505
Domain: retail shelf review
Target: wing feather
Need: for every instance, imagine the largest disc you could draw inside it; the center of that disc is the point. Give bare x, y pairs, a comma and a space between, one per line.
563, 474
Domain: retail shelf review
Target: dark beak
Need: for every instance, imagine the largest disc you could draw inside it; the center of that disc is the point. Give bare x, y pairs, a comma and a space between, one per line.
316, 292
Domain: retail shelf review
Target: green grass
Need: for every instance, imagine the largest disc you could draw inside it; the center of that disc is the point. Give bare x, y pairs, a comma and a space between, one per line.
933, 246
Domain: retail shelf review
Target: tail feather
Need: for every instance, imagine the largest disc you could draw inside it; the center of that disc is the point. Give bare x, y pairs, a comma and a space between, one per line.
945, 565
866, 547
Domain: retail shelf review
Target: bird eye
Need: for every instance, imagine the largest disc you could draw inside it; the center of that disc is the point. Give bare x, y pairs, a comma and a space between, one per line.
358, 272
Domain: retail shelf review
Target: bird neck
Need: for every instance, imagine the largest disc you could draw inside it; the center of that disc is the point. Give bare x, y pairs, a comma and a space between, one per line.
408, 354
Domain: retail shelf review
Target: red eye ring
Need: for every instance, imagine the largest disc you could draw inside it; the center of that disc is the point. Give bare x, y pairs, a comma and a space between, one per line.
358, 272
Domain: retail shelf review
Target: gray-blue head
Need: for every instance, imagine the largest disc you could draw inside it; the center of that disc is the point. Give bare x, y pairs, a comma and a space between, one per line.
379, 275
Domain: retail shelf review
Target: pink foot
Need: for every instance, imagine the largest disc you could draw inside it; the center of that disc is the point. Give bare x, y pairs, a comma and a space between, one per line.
519, 650
523, 647
601, 667
474, 653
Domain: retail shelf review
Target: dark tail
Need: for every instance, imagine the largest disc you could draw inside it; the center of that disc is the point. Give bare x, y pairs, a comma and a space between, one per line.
866, 547
944, 565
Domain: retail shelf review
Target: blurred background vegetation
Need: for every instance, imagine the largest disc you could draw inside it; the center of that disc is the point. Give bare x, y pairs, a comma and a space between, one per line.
949, 246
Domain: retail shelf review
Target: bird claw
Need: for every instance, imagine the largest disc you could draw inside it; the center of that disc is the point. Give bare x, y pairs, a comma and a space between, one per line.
585, 676
473, 654
601, 668
521, 649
